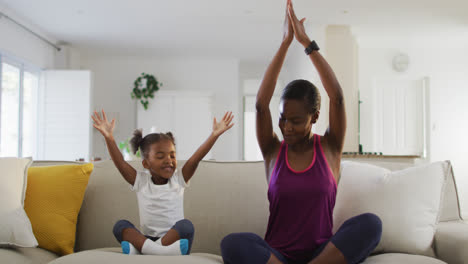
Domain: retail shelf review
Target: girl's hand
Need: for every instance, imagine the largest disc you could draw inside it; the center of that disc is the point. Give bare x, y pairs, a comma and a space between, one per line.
298, 25
288, 34
223, 125
102, 125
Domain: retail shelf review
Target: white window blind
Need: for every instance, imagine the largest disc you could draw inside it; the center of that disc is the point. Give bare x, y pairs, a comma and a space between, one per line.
18, 107
251, 148
65, 115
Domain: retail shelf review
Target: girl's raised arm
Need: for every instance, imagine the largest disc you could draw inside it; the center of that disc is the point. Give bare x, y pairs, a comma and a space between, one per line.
218, 129
106, 128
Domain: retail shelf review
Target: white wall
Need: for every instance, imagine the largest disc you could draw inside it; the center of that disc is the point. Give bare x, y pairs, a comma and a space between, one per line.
341, 52
113, 82
17, 42
444, 62
301, 67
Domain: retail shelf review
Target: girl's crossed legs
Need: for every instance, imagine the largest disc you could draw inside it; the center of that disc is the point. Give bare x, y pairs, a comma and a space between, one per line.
182, 231
352, 243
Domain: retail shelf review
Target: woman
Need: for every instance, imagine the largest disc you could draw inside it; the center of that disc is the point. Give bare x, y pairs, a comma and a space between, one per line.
302, 172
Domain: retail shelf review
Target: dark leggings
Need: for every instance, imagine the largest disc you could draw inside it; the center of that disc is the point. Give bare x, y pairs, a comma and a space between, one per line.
356, 239
184, 227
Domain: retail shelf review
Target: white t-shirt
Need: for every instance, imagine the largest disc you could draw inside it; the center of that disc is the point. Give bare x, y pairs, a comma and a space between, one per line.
160, 206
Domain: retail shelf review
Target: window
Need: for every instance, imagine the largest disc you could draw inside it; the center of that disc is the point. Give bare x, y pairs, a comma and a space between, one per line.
30, 95
18, 106
251, 148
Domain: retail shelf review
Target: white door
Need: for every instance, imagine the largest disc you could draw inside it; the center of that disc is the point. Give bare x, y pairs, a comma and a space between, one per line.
159, 115
187, 114
65, 115
396, 117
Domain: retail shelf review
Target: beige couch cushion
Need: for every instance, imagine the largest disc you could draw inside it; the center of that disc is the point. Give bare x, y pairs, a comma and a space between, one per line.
451, 242
226, 197
107, 199
26, 255
114, 256
393, 258
450, 210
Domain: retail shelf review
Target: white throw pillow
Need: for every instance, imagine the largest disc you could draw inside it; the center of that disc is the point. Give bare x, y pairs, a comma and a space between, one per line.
407, 201
15, 227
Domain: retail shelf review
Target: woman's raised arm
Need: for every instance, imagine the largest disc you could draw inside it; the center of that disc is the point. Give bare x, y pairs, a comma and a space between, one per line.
267, 139
335, 134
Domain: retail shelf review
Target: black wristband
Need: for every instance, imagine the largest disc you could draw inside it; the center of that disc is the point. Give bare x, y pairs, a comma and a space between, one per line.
312, 46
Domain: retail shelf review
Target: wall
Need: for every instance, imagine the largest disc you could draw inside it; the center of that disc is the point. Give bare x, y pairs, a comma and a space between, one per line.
444, 61
341, 52
114, 77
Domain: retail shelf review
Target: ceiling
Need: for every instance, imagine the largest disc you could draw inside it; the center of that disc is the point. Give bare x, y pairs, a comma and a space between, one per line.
243, 29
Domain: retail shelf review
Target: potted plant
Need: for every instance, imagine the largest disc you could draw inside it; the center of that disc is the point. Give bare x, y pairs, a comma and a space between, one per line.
144, 88
126, 150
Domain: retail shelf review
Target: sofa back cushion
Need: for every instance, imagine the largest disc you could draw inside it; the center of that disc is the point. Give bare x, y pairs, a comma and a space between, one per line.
107, 199
450, 210
15, 227
226, 197
407, 201
223, 197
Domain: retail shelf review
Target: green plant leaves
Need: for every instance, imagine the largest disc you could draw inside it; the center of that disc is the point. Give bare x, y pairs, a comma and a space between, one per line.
145, 93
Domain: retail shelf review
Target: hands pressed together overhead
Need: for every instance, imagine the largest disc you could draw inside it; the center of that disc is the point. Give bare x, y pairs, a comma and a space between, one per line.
294, 27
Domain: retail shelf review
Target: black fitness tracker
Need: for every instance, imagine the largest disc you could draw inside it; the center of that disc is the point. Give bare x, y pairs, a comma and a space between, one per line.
312, 46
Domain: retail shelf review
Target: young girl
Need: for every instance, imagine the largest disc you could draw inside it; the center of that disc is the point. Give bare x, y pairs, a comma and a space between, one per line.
159, 189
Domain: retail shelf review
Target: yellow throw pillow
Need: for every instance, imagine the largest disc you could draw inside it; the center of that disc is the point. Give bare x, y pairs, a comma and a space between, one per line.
53, 200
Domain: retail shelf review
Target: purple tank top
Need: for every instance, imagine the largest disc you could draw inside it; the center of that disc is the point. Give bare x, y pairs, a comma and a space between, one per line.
301, 205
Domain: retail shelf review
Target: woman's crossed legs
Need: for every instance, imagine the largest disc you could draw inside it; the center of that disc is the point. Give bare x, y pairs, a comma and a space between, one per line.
352, 243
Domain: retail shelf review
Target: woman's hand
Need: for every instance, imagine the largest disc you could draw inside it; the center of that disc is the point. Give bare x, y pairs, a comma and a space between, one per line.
288, 31
102, 125
298, 26
223, 125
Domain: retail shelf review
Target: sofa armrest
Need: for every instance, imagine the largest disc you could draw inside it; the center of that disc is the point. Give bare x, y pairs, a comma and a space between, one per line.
451, 242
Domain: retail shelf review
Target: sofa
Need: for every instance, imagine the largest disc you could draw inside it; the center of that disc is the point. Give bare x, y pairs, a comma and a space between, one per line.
223, 197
